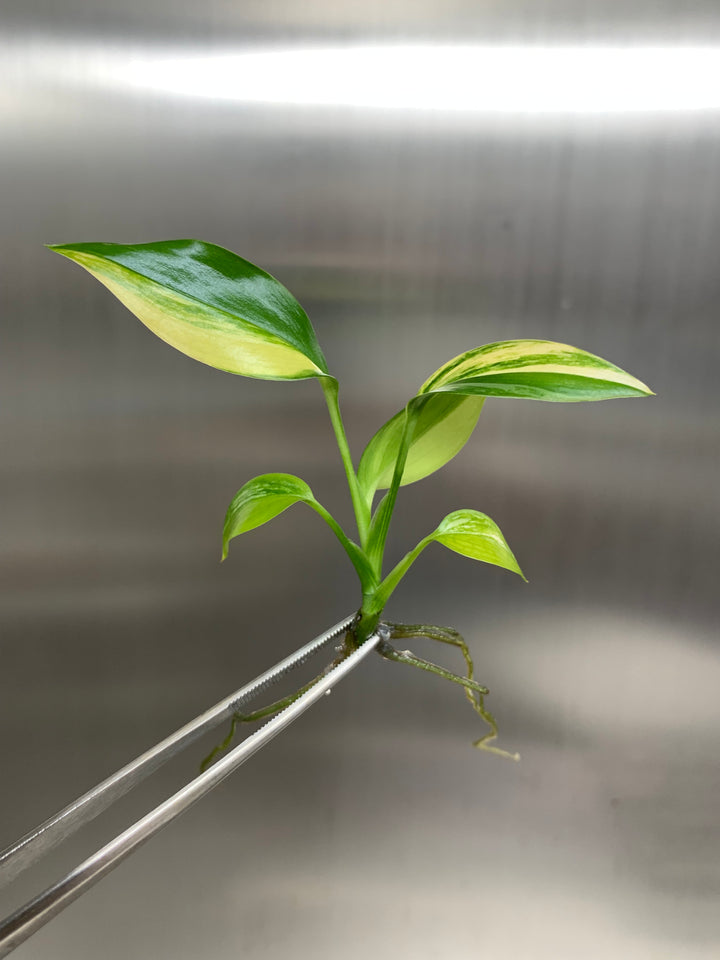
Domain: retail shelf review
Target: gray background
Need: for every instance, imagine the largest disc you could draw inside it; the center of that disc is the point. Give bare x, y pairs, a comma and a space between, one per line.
371, 828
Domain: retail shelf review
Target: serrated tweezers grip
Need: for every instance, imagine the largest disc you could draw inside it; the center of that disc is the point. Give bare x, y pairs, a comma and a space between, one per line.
29, 918
35, 844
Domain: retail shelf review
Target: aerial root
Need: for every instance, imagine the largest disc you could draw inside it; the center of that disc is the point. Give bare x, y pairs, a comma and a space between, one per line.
474, 692
272, 708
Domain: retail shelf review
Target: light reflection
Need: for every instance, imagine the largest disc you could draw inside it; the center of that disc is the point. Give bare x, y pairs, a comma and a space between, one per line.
500, 79
437, 78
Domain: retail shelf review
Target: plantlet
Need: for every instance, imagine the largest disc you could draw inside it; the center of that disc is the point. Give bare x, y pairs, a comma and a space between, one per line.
214, 306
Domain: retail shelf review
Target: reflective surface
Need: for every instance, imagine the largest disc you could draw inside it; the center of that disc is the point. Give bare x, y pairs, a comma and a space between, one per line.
371, 828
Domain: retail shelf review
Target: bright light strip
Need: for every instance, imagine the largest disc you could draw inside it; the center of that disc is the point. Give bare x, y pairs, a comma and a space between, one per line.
448, 79
470, 79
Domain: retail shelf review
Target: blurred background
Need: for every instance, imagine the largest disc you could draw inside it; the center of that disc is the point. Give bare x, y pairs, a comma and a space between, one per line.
418, 204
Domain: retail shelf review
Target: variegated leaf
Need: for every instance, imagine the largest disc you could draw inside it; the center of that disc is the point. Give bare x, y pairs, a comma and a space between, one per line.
536, 370
442, 427
208, 303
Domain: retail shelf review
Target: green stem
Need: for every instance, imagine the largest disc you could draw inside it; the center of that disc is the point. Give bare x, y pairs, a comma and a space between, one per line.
383, 515
368, 619
368, 579
398, 572
361, 508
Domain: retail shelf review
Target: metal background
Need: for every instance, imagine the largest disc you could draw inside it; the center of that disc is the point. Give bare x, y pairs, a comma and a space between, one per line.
372, 828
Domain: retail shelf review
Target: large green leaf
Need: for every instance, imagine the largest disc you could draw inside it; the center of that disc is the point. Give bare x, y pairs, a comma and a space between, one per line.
442, 426
475, 535
208, 303
533, 369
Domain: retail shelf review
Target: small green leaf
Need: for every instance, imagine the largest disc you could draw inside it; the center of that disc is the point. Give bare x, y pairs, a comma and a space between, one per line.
208, 303
260, 500
536, 370
267, 496
443, 424
467, 532
475, 535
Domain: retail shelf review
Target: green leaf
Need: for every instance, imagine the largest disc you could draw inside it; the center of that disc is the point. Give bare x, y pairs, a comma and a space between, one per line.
260, 500
267, 496
536, 370
208, 303
443, 424
467, 532
475, 535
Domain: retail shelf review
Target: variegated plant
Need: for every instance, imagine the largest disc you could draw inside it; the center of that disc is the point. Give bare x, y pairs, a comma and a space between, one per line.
216, 307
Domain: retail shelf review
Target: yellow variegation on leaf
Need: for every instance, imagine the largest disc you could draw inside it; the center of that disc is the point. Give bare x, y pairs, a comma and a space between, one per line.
534, 370
442, 425
440, 419
208, 303
222, 310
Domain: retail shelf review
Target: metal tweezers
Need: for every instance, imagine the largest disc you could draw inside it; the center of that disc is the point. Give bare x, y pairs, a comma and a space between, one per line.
25, 921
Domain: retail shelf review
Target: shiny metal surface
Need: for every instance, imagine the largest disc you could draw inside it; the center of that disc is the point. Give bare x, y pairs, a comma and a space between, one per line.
26, 921
409, 236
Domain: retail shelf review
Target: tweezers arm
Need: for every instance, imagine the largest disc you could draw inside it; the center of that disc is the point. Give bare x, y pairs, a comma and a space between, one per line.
35, 844
28, 919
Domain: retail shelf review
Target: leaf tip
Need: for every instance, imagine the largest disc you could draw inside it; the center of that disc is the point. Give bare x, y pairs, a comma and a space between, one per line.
641, 388
64, 249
